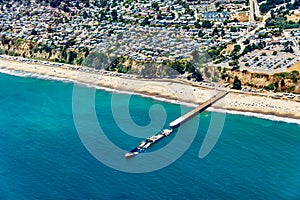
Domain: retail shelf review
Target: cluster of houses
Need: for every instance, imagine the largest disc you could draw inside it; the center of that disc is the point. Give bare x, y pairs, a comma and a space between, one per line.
165, 43
215, 16
150, 44
165, 30
86, 28
50, 26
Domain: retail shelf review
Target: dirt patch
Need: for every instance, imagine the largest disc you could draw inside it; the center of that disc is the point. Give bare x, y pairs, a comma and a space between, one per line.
294, 18
241, 17
229, 48
295, 67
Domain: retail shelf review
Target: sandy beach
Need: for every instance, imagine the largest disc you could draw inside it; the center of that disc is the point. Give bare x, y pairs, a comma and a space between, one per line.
174, 90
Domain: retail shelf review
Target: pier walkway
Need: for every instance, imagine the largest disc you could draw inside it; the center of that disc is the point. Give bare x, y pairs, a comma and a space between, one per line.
177, 122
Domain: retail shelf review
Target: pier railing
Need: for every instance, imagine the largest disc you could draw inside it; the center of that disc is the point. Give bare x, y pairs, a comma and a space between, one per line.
177, 122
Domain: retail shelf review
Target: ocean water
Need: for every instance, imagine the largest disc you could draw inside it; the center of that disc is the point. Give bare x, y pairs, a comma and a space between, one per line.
42, 155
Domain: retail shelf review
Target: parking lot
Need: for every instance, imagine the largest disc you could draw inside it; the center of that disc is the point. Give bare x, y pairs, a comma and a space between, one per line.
268, 62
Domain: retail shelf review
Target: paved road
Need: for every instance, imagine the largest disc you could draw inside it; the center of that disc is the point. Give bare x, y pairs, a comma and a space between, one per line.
254, 10
251, 17
257, 11
251, 20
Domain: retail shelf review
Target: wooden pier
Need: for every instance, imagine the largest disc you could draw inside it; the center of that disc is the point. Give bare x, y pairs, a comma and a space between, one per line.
177, 122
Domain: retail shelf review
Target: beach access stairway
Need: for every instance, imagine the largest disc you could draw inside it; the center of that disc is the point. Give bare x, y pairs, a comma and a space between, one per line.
177, 122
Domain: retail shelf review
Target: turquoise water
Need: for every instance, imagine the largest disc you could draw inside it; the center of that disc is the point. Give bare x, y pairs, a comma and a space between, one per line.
42, 156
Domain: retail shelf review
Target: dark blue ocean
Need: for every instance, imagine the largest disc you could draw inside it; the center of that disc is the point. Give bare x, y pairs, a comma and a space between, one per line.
43, 157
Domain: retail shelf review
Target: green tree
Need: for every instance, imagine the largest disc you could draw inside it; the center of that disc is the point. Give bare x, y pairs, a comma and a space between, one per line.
72, 56
246, 42
198, 76
64, 53
271, 86
197, 24
114, 15
207, 24
155, 6
233, 29
200, 33
282, 83
237, 83
237, 48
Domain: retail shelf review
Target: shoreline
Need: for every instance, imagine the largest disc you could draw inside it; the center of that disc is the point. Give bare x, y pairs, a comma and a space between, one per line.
168, 91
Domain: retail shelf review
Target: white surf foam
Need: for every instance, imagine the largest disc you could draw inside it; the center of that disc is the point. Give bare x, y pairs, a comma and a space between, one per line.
249, 114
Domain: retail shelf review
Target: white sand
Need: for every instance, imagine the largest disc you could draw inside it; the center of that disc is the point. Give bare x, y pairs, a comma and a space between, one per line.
165, 88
